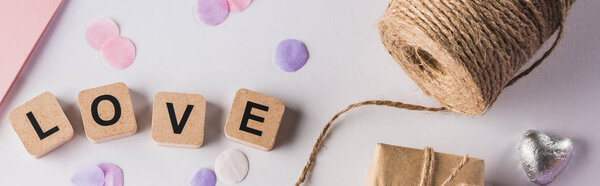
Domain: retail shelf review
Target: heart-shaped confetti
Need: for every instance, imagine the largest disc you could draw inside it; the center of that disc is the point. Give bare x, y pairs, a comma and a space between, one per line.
204, 177
290, 55
231, 166
118, 52
99, 30
212, 12
113, 175
87, 175
238, 5
544, 157
103, 34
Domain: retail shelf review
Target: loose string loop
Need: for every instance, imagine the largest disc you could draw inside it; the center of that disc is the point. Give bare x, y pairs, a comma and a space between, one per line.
321, 139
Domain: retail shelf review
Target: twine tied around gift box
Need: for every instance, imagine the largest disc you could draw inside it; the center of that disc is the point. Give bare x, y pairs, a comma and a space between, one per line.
428, 168
462, 53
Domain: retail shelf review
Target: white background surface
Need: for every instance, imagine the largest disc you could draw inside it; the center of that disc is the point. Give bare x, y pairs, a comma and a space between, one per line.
347, 64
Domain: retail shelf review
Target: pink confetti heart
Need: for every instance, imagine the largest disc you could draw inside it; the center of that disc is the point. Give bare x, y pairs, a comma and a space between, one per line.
118, 52
238, 5
99, 30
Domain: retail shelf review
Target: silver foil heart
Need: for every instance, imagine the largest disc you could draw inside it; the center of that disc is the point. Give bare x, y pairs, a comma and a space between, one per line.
544, 157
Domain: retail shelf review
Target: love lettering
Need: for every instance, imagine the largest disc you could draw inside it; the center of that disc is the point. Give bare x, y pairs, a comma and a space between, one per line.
178, 119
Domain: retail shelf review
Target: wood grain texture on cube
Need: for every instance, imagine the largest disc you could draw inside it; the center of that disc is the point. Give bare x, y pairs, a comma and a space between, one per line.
178, 119
249, 129
118, 124
41, 125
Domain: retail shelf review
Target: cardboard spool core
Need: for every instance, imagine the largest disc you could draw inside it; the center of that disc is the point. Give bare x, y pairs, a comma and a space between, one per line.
428, 63
440, 75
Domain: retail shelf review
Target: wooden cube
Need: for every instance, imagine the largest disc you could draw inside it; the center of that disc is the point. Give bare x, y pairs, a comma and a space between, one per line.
178, 119
107, 112
254, 119
41, 125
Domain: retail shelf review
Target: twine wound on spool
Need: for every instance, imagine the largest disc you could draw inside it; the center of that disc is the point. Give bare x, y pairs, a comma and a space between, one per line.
462, 53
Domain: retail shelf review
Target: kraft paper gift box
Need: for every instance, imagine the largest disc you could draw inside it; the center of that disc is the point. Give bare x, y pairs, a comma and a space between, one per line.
401, 166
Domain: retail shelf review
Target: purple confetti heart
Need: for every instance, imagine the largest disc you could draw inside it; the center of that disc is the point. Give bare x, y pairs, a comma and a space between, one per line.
113, 175
212, 12
204, 177
87, 175
290, 55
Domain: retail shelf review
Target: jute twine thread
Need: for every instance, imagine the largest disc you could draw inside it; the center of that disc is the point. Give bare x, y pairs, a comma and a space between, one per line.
428, 168
462, 52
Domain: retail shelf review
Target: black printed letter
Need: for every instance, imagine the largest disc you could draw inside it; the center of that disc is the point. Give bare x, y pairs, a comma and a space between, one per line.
247, 116
178, 127
115, 103
41, 134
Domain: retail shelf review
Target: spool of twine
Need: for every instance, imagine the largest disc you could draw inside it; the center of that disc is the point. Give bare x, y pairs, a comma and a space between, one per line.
463, 53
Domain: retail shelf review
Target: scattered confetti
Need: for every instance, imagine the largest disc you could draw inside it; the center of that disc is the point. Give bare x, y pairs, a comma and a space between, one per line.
290, 55
113, 175
118, 52
238, 5
204, 177
212, 12
231, 166
87, 175
99, 30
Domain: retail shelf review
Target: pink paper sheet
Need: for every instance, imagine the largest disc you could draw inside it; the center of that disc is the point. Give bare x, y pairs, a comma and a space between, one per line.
22, 24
